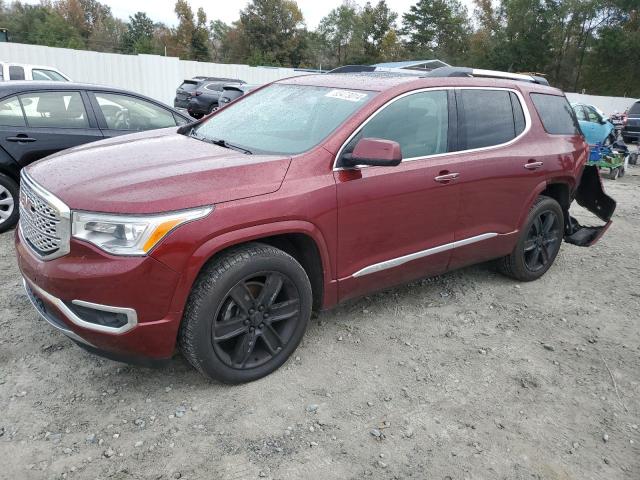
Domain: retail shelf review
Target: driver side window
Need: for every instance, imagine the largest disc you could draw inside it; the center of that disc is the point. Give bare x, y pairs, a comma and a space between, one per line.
418, 122
123, 112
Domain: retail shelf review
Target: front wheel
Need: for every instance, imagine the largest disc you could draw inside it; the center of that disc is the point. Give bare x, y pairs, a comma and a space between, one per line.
8, 203
539, 242
246, 314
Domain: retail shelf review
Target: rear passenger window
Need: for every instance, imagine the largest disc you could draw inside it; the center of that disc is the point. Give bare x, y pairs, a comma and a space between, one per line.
418, 122
487, 118
11, 113
556, 114
55, 109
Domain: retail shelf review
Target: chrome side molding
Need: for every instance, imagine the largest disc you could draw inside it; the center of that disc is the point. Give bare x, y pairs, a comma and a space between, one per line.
395, 262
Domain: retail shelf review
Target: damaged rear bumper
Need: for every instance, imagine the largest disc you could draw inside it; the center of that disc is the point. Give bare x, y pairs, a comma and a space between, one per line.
590, 195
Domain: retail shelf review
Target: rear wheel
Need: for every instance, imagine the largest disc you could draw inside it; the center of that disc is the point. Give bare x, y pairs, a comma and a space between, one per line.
246, 314
539, 242
8, 203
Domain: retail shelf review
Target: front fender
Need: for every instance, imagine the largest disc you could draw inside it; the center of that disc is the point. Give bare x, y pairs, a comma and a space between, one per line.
221, 242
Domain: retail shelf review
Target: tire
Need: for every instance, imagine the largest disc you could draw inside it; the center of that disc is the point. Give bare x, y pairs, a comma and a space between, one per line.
212, 109
9, 195
197, 116
614, 173
519, 264
226, 334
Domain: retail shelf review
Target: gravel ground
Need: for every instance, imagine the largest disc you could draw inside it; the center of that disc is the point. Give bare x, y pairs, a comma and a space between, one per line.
465, 376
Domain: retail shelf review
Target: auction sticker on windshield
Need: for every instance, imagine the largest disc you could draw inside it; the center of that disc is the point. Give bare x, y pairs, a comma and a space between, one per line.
346, 95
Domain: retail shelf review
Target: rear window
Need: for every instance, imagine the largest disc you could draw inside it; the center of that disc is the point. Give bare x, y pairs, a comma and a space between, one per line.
558, 118
188, 86
16, 72
488, 118
635, 109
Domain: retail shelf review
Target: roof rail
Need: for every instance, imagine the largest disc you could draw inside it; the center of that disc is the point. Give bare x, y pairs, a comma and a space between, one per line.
477, 72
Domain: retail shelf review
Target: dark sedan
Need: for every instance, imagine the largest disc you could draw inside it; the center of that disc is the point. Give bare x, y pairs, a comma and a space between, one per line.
40, 118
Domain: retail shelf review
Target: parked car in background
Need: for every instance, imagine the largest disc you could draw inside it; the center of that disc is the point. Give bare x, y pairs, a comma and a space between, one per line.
231, 92
41, 118
21, 71
222, 236
594, 124
631, 128
210, 87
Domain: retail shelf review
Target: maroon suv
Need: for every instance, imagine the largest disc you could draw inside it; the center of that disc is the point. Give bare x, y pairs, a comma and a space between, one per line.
220, 238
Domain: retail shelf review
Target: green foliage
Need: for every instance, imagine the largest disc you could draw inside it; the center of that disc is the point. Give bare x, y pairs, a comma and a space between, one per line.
437, 28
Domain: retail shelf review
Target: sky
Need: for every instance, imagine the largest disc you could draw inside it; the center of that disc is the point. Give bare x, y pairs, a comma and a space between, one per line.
227, 11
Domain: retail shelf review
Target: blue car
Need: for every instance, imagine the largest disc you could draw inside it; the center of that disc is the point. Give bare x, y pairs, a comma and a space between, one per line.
594, 124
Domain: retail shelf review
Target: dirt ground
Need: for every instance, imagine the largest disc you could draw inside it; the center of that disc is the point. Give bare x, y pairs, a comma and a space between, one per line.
465, 376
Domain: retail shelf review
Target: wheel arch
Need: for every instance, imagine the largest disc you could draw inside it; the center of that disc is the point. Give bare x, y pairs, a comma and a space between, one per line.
558, 189
302, 240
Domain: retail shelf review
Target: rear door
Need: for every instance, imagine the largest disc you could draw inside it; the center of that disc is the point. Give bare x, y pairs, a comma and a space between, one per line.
119, 114
51, 121
498, 172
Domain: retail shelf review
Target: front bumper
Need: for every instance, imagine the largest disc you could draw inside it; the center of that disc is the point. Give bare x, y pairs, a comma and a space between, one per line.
139, 289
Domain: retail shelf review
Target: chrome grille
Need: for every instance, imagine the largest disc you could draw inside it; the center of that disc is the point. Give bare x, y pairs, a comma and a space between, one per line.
44, 220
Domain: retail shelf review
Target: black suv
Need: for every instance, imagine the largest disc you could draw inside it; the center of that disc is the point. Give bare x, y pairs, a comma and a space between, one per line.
209, 88
631, 129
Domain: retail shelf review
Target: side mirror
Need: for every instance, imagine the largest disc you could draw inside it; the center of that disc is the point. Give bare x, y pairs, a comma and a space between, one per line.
375, 152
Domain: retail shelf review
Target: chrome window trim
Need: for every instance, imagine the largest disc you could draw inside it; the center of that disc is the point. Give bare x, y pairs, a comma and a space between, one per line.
396, 262
132, 317
64, 227
523, 104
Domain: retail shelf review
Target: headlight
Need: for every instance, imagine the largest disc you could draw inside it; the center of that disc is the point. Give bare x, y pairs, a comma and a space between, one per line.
130, 234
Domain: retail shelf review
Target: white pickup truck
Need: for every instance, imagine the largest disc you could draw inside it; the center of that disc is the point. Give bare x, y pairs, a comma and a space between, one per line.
21, 71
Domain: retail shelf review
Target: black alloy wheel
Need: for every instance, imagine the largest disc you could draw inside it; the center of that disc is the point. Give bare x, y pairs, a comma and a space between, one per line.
246, 314
543, 241
538, 244
256, 320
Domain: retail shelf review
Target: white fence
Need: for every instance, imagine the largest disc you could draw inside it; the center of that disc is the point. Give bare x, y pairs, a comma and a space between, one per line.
608, 105
152, 75
158, 77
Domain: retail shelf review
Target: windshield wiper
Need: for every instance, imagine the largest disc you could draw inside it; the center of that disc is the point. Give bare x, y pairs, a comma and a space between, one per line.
223, 143
219, 142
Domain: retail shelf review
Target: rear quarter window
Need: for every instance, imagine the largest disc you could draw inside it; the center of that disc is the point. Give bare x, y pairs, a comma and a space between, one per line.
635, 109
557, 116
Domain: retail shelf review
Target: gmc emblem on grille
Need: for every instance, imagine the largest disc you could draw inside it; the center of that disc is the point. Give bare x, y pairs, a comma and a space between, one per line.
26, 202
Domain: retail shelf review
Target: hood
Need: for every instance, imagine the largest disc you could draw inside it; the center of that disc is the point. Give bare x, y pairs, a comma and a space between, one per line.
155, 171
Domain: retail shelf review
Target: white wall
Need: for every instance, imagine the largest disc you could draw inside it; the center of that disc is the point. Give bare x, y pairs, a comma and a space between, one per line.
608, 105
158, 77
152, 75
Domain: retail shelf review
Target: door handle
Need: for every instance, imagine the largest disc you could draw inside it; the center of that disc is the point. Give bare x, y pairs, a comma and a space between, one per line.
21, 137
446, 177
533, 165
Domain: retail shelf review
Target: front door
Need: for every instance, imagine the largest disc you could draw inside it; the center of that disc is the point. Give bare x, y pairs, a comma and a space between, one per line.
396, 224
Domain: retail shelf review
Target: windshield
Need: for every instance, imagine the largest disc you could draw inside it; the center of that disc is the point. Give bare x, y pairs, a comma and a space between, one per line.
283, 119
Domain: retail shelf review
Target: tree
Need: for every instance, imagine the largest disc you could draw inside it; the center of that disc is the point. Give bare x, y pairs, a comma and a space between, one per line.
341, 31
184, 31
200, 38
218, 33
275, 32
437, 28
139, 35
377, 24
